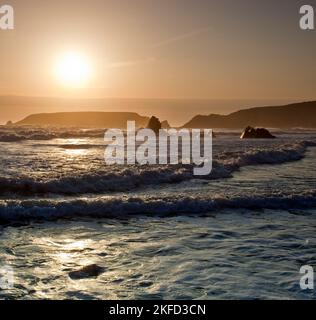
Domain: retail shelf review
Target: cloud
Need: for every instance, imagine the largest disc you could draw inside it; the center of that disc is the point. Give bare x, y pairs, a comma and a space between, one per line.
180, 37
130, 63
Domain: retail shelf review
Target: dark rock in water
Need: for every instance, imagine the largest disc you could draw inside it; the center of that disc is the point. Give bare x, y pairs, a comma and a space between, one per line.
154, 124
259, 133
90, 271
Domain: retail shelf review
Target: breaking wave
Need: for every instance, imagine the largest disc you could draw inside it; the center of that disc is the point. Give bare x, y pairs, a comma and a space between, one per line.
123, 178
11, 210
20, 134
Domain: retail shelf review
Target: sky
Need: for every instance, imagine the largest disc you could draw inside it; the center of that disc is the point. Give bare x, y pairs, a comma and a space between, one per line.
172, 49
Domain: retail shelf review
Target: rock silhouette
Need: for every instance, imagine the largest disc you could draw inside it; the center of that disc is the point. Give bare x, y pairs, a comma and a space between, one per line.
90, 271
297, 115
85, 119
154, 124
259, 133
165, 125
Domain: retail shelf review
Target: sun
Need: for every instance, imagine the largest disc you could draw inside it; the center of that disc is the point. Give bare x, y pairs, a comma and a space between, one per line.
73, 70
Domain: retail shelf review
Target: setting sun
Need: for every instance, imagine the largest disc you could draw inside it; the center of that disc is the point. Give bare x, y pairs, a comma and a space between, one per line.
73, 70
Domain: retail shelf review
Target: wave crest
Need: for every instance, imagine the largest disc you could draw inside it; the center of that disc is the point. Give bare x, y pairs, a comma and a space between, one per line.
123, 178
111, 207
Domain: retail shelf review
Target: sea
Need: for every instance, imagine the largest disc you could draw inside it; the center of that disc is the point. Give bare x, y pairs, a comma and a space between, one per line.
156, 231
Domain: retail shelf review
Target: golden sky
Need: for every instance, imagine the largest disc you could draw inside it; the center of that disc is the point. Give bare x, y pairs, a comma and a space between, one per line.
216, 49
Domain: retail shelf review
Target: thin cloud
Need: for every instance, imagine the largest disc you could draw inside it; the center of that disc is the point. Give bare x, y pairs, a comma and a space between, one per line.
130, 63
180, 37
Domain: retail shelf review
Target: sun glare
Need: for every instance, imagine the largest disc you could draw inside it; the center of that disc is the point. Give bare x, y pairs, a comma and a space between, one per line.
73, 70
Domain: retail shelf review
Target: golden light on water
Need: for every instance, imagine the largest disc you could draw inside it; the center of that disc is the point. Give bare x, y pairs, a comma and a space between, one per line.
75, 152
74, 147
73, 70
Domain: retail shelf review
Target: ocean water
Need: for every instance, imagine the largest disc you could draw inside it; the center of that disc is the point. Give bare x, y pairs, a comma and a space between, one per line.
158, 232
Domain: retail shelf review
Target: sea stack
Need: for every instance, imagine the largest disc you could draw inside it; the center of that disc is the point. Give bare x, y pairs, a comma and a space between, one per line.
154, 124
256, 133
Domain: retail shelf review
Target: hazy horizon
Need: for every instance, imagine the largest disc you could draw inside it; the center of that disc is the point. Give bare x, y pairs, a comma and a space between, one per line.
176, 111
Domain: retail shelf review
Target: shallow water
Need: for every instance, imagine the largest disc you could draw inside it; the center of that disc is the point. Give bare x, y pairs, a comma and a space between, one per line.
244, 254
242, 234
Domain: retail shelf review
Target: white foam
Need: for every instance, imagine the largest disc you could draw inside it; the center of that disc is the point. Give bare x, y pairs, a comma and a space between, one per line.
121, 178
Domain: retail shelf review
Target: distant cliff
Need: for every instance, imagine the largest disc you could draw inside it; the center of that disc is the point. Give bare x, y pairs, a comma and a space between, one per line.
301, 115
85, 119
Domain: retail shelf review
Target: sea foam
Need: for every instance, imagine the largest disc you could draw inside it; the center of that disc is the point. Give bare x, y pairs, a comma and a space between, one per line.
124, 178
